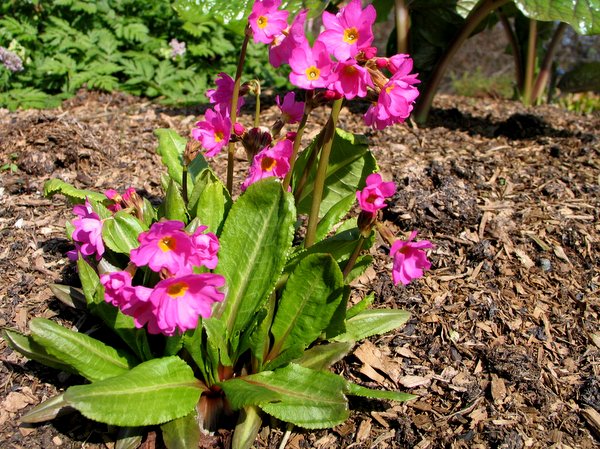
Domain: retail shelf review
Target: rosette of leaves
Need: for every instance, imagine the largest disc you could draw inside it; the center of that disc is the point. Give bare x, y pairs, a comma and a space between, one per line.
268, 347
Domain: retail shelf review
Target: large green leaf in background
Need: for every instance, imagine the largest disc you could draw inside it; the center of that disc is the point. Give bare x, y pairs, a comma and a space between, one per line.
582, 15
233, 14
255, 241
153, 392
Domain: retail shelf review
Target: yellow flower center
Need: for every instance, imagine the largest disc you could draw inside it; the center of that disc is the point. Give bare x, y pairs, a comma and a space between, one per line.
390, 88
177, 290
312, 73
350, 35
350, 70
268, 164
219, 136
262, 22
167, 244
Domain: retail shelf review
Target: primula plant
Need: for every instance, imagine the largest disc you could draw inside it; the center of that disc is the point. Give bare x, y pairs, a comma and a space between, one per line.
227, 310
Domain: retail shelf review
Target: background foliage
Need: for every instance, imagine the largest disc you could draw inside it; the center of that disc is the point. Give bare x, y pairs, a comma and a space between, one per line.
115, 45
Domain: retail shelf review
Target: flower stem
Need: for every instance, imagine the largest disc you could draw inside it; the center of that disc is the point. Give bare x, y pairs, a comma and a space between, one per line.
402, 18
545, 68
353, 257
312, 157
298, 139
313, 218
530, 63
257, 109
234, 102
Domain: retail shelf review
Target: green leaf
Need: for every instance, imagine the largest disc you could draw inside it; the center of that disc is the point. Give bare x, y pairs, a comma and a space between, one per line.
333, 216
246, 429
153, 392
32, 350
182, 433
120, 232
210, 201
356, 390
360, 306
46, 411
70, 296
298, 395
321, 357
89, 357
582, 15
217, 338
54, 186
304, 313
233, 14
170, 148
174, 207
129, 437
255, 241
373, 322
349, 165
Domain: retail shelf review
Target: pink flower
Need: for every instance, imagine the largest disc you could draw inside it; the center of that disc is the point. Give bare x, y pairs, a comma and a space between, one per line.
87, 234
409, 259
372, 197
395, 101
266, 20
281, 48
270, 162
349, 31
352, 79
291, 110
178, 302
166, 246
206, 247
119, 201
222, 95
118, 290
214, 132
311, 68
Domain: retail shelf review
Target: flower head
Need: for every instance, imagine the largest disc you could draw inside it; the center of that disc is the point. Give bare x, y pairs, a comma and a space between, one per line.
372, 197
281, 48
177, 302
269, 162
352, 79
410, 259
349, 31
87, 233
119, 292
10, 60
311, 67
205, 248
166, 246
177, 48
267, 21
222, 95
214, 132
291, 110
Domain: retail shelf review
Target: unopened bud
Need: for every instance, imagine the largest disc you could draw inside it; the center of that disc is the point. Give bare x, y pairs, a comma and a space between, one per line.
255, 139
365, 222
192, 148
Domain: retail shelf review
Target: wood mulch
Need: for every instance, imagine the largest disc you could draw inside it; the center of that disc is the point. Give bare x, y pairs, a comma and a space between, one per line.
503, 347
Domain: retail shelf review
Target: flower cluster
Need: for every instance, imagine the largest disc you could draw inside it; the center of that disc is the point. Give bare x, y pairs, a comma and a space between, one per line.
174, 304
409, 257
87, 233
10, 60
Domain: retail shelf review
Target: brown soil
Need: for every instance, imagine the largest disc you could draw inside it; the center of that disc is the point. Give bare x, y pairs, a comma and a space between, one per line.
503, 344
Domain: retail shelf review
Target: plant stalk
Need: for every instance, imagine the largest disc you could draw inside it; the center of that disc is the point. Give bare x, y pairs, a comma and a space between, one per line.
479, 13
313, 218
530, 62
353, 257
402, 26
312, 157
516, 49
234, 102
546, 67
298, 139
257, 109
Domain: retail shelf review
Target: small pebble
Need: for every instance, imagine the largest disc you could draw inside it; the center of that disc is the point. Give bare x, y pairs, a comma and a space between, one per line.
545, 264
57, 441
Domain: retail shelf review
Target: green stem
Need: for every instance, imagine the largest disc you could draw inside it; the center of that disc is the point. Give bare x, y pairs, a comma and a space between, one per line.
257, 109
184, 185
353, 257
545, 69
313, 218
530, 62
477, 14
298, 139
516, 49
234, 102
402, 26
312, 157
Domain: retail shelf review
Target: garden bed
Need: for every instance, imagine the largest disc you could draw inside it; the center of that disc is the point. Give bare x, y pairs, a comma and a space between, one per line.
503, 347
